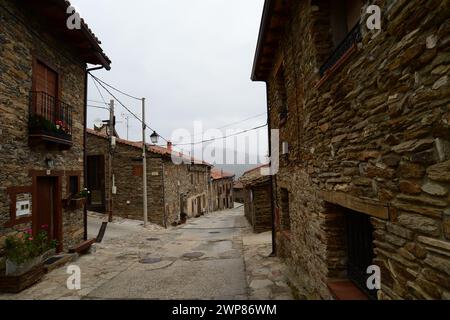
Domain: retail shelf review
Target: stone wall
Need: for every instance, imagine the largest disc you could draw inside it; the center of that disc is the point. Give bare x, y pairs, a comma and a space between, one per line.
257, 207
374, 135
187, 189
196, 191
169, 185
128, 200
222, 194
19, 43
238, 195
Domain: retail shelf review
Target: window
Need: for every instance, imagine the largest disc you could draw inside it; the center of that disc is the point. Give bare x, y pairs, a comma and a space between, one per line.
360, 255
45, 87
344, 16
138, 170
74, 185
45, 79
285, 215
345, 30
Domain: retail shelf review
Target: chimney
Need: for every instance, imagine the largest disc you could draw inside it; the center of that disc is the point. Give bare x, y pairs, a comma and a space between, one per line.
169, 146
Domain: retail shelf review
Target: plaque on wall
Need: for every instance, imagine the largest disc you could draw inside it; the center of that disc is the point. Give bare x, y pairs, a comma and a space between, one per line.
23, 205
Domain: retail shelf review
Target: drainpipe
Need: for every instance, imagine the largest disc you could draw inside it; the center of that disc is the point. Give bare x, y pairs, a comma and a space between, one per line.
84, 143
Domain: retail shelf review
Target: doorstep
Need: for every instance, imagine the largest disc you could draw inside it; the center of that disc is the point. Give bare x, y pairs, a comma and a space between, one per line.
346, 290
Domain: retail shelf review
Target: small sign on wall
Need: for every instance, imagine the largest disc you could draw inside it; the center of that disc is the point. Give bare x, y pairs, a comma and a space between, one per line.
23, 205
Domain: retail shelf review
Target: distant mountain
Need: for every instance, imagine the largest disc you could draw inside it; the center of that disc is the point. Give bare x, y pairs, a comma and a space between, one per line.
237, 169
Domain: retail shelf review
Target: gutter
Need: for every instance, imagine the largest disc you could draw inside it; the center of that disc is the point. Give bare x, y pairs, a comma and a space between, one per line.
84, 144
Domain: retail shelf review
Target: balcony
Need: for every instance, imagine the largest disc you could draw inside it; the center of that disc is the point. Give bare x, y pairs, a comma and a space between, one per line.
345, 48
50, 121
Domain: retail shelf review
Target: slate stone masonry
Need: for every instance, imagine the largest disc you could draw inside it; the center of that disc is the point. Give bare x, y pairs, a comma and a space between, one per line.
374, 135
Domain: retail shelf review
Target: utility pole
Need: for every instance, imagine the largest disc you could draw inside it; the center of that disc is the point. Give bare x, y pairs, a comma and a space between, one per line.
111, 142
144, 164
127, 120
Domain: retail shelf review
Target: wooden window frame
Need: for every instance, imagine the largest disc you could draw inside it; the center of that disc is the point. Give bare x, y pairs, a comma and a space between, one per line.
69, 175
355, 32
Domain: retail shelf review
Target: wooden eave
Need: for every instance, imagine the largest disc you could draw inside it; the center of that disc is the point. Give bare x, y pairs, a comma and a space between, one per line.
53, 14
275, 15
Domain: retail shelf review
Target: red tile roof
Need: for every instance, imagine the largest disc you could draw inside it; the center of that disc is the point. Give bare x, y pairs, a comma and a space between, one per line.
150, 147
254, 176
217, 174
238, 185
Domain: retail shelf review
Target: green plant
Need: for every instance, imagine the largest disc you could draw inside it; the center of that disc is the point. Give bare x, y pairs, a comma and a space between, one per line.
24, 247
83, 194
41, 123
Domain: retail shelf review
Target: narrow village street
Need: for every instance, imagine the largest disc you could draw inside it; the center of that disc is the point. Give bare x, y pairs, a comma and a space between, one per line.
212, 257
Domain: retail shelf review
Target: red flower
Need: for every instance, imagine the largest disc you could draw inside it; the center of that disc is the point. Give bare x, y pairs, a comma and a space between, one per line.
44, 226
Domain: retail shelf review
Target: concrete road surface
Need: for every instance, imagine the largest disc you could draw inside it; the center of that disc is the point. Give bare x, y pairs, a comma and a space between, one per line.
201, 260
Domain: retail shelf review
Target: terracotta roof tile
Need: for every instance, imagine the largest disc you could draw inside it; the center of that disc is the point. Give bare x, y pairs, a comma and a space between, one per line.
151, 148
217, 174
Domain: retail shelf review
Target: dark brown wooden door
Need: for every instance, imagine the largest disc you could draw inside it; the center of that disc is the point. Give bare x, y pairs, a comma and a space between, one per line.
46, 86
46, 80
46, 206
96, 183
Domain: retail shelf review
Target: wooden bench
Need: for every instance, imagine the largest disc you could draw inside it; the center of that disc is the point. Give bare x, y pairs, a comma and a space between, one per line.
83, 247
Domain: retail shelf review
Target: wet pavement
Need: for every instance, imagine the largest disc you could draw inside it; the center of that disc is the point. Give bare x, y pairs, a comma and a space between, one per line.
212, 257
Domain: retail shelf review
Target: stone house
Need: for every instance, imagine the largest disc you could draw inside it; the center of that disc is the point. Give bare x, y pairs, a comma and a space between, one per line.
364, 120
221, 190
43, 76
172, 189
238, 192
257, 199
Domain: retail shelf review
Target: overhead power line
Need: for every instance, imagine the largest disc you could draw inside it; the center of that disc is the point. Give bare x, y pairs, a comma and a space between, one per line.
97, 107
124, 106
96, 101
103, 84
235, 123
99, 91
245, 120
115, 89
221, 138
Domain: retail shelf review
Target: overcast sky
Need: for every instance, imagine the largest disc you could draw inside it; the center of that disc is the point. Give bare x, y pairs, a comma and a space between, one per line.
192, 60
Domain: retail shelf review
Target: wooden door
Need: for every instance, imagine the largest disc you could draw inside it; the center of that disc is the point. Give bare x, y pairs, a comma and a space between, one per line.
47, 207
96, 183
46, 87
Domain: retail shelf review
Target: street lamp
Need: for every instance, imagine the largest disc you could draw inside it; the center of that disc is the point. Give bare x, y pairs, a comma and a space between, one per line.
154, 137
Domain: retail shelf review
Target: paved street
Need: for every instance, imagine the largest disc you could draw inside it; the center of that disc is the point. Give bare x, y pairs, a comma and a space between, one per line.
204, 259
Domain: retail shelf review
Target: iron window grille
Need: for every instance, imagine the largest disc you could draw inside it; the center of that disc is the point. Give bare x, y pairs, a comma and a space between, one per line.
352, 38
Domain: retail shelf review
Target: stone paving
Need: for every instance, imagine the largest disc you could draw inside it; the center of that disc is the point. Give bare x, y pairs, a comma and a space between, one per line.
266, 275
212, 257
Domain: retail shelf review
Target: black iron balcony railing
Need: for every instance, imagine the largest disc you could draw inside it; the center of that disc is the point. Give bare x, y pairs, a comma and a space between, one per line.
50, 118
353, 38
